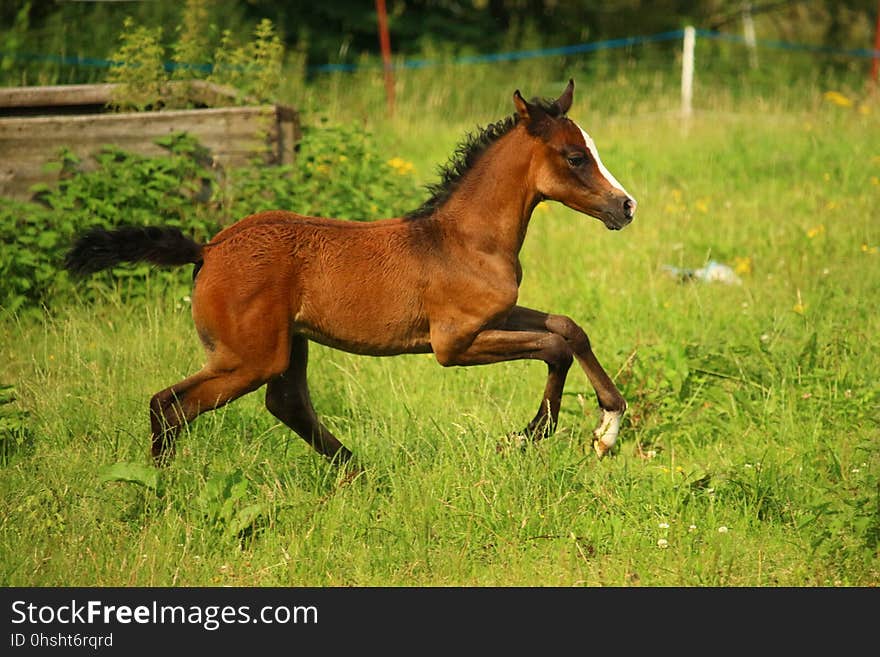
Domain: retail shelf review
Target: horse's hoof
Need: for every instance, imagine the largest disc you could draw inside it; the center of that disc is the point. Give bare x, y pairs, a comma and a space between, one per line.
349, 470
600, 448
512, 441
349, 475
162, 459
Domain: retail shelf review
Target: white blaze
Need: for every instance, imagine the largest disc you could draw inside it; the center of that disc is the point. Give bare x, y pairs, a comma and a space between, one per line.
591, 146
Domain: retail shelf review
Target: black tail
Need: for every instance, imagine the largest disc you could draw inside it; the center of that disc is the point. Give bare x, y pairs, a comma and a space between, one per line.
99, 248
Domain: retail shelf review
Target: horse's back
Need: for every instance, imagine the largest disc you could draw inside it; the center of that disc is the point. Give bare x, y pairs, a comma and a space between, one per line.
352, 285
269, 222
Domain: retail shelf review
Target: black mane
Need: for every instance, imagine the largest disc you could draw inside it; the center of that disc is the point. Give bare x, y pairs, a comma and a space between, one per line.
468, 152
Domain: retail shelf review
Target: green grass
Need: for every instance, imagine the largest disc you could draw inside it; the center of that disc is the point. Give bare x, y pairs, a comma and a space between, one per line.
749, 455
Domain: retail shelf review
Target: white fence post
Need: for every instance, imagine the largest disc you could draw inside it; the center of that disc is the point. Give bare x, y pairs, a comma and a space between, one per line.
687, 71
749, 34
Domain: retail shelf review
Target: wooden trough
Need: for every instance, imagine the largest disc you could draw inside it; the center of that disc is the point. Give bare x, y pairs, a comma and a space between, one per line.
35, 122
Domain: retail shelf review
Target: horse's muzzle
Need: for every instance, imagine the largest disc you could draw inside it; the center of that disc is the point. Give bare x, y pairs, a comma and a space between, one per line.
623, 217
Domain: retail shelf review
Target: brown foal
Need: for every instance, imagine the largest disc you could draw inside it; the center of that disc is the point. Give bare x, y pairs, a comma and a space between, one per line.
443, 279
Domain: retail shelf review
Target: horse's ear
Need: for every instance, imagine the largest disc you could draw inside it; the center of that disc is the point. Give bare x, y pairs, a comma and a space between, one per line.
523, 109
529, 113
564, 101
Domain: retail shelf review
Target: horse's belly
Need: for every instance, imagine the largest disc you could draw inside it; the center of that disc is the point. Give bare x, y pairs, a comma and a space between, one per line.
373, 327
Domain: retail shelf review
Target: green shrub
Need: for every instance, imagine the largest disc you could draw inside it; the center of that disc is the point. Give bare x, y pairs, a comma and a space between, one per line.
27, 256
125, 188
193, 41
139, 70
339, 172
254, 68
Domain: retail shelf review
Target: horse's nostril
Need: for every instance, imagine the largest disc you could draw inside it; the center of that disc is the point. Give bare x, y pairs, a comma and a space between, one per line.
629, 207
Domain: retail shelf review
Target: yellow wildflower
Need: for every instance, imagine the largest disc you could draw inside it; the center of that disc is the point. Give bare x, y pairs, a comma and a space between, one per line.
838, 99
742, 265
815, 231
400, 165
869, 249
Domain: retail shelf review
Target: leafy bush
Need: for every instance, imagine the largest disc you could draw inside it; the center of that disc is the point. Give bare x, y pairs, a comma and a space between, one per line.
254, 68
29, 241
139, 70
133, 189
339, 172
141, 75
191, 48
125, 188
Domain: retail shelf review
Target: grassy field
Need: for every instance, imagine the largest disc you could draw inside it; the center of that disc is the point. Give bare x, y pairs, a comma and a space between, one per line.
749, 455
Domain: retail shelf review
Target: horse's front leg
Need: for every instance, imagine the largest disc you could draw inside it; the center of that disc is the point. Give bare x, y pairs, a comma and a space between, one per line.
610, 400
497, 345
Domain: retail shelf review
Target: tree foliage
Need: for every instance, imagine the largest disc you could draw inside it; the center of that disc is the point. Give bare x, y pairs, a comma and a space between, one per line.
343, 30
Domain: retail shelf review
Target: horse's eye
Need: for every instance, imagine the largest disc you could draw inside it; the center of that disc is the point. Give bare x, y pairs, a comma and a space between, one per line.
576, 160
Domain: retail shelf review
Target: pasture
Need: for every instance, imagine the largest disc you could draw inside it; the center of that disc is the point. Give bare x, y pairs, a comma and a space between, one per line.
748, 456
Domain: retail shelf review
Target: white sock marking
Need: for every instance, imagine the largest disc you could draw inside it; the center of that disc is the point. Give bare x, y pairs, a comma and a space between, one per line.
606, 432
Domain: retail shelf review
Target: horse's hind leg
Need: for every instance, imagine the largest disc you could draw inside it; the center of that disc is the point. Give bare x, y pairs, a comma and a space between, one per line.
544, 422
288, 399
184, 401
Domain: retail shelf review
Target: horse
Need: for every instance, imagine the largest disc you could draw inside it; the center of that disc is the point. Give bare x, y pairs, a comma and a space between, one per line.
442, 279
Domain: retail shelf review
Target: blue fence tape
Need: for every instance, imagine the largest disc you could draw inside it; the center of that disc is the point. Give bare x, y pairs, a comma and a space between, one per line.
75, 60
787, 45
511, 56
574, 49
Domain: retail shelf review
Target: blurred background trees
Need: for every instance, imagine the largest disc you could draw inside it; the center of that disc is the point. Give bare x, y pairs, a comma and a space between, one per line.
343, 31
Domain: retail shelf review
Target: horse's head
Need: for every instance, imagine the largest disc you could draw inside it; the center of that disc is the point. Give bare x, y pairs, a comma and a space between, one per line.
569, 169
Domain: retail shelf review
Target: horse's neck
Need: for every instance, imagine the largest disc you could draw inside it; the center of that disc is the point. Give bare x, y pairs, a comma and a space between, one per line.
493, 202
